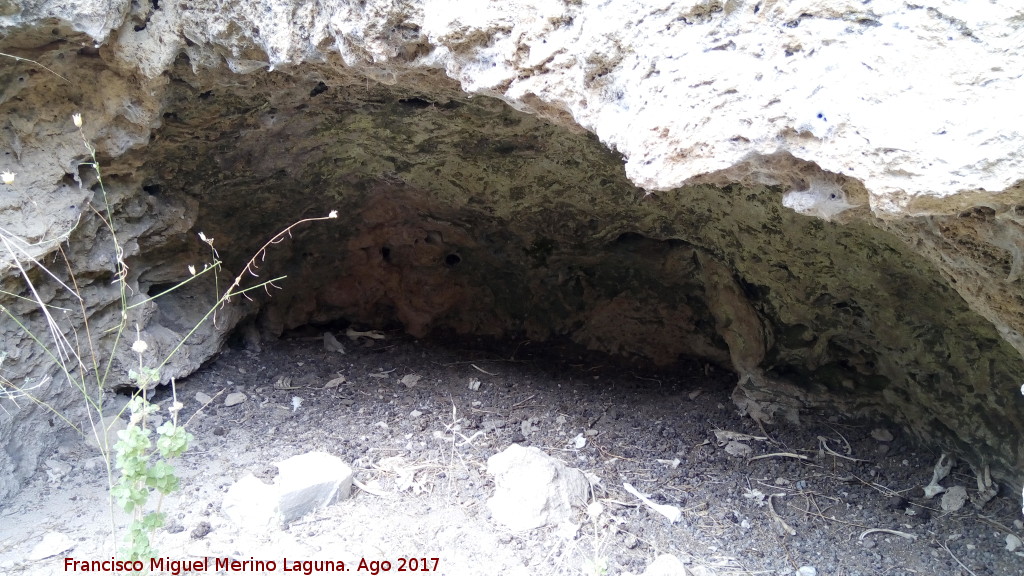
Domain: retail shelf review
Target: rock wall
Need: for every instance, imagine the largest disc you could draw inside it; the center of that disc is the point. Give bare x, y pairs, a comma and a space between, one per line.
816, 195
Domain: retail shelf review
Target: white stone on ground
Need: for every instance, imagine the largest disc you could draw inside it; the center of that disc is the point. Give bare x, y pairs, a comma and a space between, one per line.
666, 565
954, 499
234, 399
533, 489
304, 483
882, 435
52, 544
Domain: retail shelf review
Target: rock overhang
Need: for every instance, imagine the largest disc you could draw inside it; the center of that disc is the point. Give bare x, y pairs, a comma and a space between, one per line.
752, 243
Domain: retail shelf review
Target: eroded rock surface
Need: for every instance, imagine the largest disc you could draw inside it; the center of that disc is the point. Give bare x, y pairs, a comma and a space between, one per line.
835, 220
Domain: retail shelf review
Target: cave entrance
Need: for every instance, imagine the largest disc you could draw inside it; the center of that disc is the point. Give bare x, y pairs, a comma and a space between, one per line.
463, 216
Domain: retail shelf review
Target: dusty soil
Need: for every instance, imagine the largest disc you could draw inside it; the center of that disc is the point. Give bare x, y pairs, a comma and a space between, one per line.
423, 447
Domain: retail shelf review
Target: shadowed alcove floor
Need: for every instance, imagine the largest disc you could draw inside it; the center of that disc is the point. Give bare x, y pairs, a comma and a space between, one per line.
417, 420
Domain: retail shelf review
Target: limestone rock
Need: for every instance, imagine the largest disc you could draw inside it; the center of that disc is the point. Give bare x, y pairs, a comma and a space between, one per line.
52, 544
533, 489
234, 399
666, 565
304, 483
953, 499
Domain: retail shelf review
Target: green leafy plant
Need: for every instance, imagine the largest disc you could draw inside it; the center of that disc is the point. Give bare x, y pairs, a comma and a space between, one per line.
146, 470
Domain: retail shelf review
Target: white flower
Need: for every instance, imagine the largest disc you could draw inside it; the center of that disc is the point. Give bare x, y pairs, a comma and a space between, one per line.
77, 119
8, 177
139, 347
192, 269
205, 239
333, 214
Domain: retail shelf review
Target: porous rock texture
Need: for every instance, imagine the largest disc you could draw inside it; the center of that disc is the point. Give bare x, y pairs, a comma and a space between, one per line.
824, 197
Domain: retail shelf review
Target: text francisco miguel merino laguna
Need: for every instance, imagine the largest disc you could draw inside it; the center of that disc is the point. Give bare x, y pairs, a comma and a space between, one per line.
305, 567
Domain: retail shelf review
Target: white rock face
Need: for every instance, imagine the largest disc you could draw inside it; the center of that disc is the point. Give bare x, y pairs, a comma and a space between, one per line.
915, 102
899, 109
689, 88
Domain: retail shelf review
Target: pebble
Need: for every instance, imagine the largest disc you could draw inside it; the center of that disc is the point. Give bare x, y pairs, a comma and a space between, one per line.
201, 530
954, 499
234, 399
882, 435
203, 398
807, 571
52, 544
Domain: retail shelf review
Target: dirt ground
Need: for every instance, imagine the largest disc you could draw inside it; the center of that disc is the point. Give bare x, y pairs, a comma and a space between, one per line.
420, 446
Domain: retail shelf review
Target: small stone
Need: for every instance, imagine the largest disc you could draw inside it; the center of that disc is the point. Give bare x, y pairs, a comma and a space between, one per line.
666, 565
882, 435
533, 489
415, 414
58, 469
94, 463
203, 398
740, 449
234, 399
807, 571
1013, 542
52, 544
201, 530
303, 483
331, 343
954, 499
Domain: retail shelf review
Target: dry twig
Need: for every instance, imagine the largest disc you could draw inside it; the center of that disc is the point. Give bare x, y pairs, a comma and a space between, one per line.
824, 445
906, 535
779, 455
482, 370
